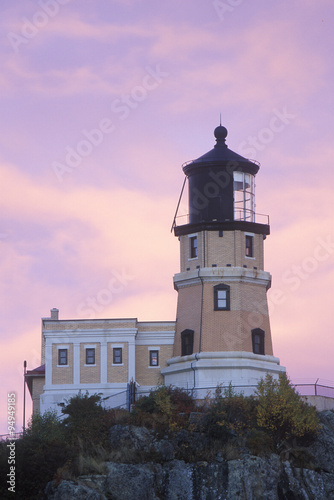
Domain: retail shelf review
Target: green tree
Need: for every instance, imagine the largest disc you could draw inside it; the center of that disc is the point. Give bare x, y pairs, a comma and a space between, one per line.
85, 418
230, 414
282, 412
39, 452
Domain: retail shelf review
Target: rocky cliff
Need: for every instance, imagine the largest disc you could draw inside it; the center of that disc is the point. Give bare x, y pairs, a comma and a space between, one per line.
306, 473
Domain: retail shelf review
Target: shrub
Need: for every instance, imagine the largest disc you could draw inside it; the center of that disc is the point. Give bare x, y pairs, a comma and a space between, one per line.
39, 452
86, 418
165, 408
230, 414
282, 412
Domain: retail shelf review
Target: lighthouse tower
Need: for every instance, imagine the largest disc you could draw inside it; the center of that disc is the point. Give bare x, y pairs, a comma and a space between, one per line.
222, 326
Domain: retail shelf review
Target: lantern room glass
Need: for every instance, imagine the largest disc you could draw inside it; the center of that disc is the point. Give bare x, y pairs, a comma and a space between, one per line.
244, 196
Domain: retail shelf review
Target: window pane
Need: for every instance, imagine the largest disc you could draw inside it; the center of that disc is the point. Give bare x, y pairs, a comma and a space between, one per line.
258, 341
90, 356
244, 199
249, 246
154, 358
221, 298
187, 342
117, 355
193, 247
62, 357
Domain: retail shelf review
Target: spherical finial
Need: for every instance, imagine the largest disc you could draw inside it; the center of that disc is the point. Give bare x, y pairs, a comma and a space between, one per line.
220, 132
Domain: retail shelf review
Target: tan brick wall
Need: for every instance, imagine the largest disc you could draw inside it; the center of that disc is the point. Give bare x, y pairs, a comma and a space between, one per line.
231, 330
37, 389
223, 330
146, 375
228, 249
185, 252
90, 374
188, 315
62, 374
118, 373
220, 250
92, 325
159, 326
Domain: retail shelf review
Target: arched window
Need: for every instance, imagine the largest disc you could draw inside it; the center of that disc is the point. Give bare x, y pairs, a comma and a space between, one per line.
221, 297
258, 341
187, 342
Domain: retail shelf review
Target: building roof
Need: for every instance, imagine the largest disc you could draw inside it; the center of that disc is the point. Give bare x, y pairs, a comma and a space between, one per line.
221, 154
35, 373
40, 370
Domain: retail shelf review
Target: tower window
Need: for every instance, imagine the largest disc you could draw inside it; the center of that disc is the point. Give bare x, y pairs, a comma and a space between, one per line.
117, 356
258, 341
249, 246
154, 358
62, 357
221, 297
193, 247
187, 342
90, 356
244, 197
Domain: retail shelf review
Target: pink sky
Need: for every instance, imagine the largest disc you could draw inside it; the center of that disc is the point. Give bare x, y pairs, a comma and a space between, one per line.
101, 103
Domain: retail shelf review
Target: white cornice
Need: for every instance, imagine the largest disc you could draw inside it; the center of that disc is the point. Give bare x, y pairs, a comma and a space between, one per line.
226, 274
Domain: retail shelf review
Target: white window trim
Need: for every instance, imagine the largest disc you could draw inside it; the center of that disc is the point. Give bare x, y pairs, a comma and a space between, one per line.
117, 346
253, 236
149, 357
61, 346
90, 346
193, 235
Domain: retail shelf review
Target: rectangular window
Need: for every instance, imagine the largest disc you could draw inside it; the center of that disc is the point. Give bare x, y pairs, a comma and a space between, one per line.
62, 356
249, 246
117, 356
258, 341
193, 247
221, 298
187, 342
90, 356
154, 358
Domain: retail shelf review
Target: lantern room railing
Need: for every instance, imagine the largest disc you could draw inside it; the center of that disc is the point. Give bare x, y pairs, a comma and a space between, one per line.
239, 215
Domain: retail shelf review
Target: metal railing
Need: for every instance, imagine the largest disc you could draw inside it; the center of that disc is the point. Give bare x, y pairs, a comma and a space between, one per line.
11, 437
239, 215
315, 390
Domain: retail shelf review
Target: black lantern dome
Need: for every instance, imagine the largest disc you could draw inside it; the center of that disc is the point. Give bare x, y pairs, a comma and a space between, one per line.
221, 189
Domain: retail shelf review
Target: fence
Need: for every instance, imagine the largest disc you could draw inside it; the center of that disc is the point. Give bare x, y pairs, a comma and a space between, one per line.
315, 390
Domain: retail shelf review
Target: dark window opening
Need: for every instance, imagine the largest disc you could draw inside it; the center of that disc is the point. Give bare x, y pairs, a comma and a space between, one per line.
258, 341
249, 246
221, 297
90, 356
62, 356
193, 247
187, 342
154, 358
117, 356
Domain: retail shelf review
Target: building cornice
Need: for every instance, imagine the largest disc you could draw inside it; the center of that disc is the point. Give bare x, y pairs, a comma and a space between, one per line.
218, 274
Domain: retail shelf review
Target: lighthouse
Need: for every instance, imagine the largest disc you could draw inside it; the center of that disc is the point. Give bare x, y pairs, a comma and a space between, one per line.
222, 332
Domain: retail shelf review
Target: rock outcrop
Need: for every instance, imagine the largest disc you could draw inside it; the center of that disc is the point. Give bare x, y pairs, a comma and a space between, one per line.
247, 478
